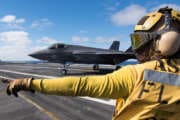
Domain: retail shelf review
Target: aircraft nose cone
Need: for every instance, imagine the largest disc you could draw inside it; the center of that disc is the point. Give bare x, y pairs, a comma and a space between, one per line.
34, 55
39, 54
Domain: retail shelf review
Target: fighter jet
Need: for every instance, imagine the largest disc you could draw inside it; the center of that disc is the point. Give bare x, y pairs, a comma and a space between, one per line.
65, 53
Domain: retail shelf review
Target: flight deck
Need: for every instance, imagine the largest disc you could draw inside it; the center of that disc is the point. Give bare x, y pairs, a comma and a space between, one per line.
49, 107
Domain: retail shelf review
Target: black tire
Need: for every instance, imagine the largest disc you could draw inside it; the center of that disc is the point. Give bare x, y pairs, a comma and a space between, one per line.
63, 72
118, 67
96, 67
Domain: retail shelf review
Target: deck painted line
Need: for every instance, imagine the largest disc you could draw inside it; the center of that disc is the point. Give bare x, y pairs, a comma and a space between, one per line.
107, 102
48, 113
34, 67
59, 68
22, 73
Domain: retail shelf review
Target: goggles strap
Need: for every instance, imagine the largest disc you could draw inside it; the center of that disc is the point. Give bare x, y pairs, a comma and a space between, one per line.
151, 36
167, 30
168, 19
167, 16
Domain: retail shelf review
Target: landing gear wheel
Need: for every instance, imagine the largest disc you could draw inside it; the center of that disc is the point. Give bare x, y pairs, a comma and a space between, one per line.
96, 67
117, 67
64, 72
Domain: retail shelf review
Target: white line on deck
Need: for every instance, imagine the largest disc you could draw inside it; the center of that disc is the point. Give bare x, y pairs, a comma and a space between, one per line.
60, 68
108, 102
22, 73
48, 113
34, 67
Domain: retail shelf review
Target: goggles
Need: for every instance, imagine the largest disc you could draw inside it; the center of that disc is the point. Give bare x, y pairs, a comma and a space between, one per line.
139, 39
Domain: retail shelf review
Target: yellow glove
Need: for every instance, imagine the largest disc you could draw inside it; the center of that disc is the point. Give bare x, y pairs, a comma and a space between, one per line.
14, 86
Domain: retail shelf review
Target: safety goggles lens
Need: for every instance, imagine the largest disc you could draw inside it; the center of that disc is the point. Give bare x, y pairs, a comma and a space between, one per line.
136, 40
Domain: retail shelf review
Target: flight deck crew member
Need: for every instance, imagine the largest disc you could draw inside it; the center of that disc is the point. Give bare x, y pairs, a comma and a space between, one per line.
146, 91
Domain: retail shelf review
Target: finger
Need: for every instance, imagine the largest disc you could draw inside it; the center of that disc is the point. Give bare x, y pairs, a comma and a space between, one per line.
5, 80
32, 91
8, 90
15, 92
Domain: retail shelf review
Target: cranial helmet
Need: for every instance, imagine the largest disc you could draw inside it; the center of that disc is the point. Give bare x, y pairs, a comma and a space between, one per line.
162, 27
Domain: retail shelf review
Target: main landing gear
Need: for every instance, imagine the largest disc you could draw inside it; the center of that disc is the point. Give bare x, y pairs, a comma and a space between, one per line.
95, 67
64, 70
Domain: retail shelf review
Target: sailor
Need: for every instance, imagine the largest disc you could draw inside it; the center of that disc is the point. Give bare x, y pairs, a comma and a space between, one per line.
149, 90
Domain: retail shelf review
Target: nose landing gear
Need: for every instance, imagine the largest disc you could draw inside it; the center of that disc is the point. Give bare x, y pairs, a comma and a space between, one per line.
64, 71
95, 67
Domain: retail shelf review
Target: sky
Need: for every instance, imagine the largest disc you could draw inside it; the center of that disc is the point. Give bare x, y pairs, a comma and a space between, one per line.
30, 25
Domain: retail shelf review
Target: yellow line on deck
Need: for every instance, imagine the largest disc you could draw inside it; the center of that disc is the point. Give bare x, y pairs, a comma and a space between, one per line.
48, 113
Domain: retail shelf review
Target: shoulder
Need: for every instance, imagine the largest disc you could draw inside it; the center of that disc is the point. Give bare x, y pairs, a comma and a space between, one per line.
140, 67
147, 65
134, 71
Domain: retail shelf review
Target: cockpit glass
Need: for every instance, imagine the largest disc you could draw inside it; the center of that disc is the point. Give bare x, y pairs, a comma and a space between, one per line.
56, 46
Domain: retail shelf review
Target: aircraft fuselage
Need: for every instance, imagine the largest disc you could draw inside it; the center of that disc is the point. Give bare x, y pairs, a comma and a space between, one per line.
62, 53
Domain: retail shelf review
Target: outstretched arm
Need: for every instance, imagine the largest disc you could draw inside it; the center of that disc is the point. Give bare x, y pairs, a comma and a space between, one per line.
113, 85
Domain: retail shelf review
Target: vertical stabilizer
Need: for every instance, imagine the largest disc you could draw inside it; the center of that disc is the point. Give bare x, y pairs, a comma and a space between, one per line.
129, 49
115, 45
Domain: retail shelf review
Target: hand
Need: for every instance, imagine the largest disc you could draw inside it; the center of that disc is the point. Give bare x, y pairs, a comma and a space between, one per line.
14, 86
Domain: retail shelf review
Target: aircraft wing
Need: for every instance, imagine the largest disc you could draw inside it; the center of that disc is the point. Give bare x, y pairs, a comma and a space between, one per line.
103, 53
116, 56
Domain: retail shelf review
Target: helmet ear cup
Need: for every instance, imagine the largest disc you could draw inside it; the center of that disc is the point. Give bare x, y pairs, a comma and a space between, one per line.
168, 43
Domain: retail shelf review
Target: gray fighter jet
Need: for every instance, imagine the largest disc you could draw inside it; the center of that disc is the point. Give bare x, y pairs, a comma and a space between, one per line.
64, 53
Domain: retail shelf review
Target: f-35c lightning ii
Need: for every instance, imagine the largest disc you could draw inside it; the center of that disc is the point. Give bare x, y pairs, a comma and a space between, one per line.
64, 53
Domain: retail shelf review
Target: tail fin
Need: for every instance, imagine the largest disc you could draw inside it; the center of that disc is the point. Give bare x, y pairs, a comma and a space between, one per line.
115, 45
129, 49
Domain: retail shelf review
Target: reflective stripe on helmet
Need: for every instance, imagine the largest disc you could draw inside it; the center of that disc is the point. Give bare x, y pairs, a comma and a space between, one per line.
175, 15
151, 20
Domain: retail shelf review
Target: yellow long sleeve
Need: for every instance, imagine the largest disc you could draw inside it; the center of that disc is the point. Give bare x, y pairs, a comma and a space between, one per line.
114, 85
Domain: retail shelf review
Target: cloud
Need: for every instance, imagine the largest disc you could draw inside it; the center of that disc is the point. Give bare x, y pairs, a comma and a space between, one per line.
83, 31
174, 6
15, 37
77, 39
37, 48
47, 41
12, 22
21, 20
14, 45
128, 16
100, 39
113, 7
8, 18
41, 24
